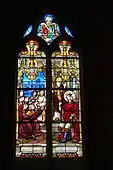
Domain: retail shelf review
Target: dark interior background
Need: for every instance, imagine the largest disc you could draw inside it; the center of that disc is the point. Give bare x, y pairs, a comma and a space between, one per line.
92, 26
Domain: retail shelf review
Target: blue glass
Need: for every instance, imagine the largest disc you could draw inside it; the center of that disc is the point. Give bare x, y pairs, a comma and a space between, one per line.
38, 82
28, 31
28, 93
68, 31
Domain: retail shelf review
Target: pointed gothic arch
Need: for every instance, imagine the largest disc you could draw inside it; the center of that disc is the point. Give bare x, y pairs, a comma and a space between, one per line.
48, 116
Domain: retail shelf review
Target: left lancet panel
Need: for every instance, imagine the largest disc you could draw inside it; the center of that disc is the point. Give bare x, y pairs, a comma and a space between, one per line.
31, 104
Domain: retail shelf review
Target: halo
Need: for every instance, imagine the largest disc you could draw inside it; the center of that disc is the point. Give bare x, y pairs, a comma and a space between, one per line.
48, 15
69, 93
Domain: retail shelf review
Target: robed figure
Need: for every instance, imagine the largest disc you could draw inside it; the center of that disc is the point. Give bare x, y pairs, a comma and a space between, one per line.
70, 114
28, 125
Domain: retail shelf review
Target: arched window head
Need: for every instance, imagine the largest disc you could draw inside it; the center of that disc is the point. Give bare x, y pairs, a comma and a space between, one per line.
48, 116
48, 29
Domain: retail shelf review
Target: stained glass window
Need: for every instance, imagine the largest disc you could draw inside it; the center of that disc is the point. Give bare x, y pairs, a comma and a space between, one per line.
48, 95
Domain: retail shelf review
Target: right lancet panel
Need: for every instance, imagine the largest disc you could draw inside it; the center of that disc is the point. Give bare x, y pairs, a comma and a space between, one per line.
66, 103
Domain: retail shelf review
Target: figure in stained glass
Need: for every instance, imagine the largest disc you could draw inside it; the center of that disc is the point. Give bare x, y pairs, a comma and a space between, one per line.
41, 103
34, 96
60, 135
67, 136
57, 96
27, 113
48, 30
30, 109
70, 113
